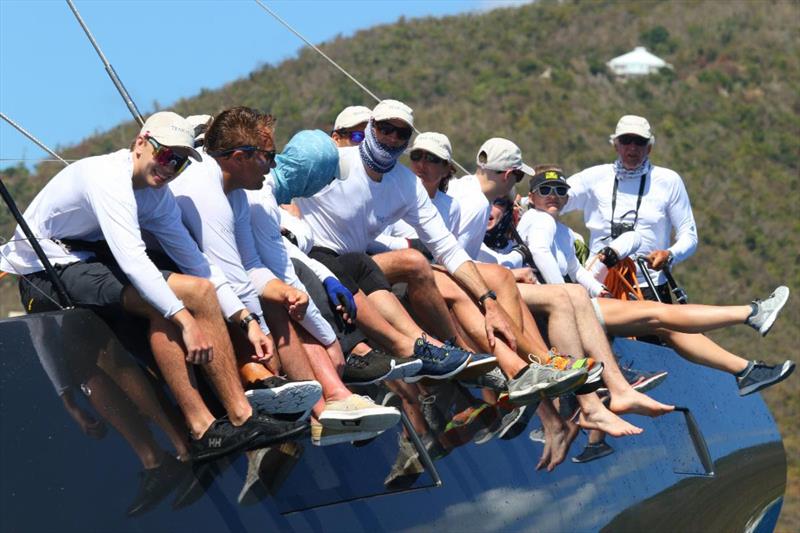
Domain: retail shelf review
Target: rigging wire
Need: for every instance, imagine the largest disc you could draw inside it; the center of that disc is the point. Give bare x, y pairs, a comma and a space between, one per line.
336, 65
109, 69
36, 141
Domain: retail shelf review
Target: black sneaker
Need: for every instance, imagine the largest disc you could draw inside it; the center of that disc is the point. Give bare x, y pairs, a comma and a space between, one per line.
274, 430
157, 483
279, 395
222, 437
593, 451
366, 369
761, 375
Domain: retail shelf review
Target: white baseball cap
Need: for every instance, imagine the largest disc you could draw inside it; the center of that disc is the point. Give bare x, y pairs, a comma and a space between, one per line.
352, 116
500, 154
171, 130
200, 124
435, 143
389, 109
633, 125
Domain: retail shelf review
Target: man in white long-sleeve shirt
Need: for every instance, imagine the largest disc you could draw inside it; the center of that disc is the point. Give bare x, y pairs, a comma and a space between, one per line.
631, 194
112, 198
238, 152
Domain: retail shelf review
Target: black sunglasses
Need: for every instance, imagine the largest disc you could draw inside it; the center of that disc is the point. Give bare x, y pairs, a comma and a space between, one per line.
387, 128
558, 190
635, 139
418, 155
269, 155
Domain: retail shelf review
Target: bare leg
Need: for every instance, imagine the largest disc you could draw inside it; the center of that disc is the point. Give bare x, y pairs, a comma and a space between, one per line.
472, 322
703, 351
200, 299
595, 343
168, 351
411, 267
643, 317
300, 362
377, 328
558, 436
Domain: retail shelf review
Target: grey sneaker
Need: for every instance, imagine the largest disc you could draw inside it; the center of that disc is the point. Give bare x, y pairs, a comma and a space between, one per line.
540, 380
761, 375
766, 311
493, 379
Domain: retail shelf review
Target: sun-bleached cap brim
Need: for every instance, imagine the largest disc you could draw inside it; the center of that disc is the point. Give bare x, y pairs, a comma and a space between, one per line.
500, 154
171, 130
436, 143
352, 116
389, 109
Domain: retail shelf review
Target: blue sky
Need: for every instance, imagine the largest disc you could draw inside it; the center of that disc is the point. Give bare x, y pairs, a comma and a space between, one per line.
53, 83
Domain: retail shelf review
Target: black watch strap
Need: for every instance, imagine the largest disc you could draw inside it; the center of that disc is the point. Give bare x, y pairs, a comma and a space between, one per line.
489, 294
245, 322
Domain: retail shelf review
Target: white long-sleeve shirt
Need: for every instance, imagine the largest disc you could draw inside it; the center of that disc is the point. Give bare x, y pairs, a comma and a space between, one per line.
395, 236
346, 216
553, 250
93, 199
665, 207
475, 211
209, 217
276, 253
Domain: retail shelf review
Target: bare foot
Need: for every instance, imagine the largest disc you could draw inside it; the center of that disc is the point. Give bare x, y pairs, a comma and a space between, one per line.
631, 401
604, 420
557, 444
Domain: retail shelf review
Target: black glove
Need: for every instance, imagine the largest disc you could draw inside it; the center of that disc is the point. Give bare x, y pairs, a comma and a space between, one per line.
610, 257
417, 245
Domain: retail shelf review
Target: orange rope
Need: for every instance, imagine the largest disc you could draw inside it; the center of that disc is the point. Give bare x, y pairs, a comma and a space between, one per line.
621, 280
3, 274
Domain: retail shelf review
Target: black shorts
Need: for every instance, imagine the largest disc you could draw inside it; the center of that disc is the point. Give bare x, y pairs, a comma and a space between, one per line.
355, 270
94, 284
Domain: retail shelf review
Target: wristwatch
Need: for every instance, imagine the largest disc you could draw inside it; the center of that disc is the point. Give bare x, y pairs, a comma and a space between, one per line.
489, 294
245, 322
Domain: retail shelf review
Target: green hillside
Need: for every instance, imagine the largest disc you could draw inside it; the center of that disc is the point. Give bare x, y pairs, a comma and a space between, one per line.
727, 118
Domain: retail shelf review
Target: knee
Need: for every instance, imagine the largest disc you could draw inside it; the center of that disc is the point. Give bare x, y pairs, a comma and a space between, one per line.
417, 265
576, 293
198, 293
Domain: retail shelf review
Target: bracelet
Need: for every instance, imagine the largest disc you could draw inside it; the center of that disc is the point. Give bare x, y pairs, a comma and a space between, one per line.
489, 294
245, 322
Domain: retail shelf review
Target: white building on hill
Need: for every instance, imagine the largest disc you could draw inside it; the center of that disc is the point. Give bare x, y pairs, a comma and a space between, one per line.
638, 62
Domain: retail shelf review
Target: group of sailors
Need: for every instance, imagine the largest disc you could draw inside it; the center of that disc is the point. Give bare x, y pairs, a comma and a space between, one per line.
290, 278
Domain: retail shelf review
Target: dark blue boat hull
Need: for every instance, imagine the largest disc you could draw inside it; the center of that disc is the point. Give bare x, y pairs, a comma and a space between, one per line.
53, 478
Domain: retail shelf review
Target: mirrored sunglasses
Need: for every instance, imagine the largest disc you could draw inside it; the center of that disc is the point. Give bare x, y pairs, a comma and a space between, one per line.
355, 136
167, 157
